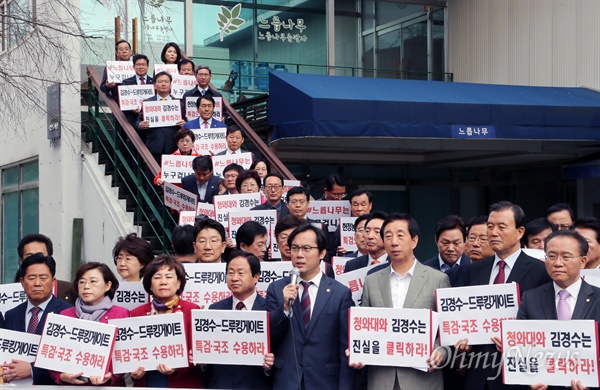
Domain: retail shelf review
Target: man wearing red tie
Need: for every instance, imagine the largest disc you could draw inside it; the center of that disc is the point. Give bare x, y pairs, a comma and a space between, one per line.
505, 227
206, 108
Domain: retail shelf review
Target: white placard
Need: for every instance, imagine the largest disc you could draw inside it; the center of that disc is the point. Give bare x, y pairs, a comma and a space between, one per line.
20, 346
209, 141
274, 252
207, 209
132, 96
162, 113
206, 283
551, 352
187, 218
72, 345
238, 218
271, 271
181, 84
149, 341
179, 199
391, 337
338, 263
220, 162
175, 167
287, 184
226, 203
117, 71
535, 253
475, 312
191, 111
592, 276
347, 237
12, 295
355, 281
328, 211
239, 337
131, 295
169, 68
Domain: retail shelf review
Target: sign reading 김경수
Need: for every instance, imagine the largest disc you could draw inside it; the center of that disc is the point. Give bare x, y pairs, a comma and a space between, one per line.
162, 113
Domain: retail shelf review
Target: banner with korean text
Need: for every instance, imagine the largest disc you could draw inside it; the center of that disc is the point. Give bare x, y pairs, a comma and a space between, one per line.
328, 211
224, 204
191, 111
355, 280
179, 199
169, 68
347, 234
391, 337
182, 84
12, 295
73, 345
206, 283
267, 218
175, 167
117, 71
161, 113
239, 337
220, 162
131, 295
551, 352
207, 141
475, 312
338, 263
19, 346
132, 96
270, 271
149, 341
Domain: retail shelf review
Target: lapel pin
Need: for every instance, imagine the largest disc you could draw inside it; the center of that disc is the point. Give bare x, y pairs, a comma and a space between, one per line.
587, 300
328, 290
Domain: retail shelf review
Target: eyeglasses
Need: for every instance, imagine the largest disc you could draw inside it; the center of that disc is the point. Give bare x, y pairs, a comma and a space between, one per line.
552, 257
92, 282
273, 187
125, 259
337, 196
303, 248
562, 226
482, 239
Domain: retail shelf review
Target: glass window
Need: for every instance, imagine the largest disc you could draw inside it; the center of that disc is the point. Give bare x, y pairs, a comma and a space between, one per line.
20, 212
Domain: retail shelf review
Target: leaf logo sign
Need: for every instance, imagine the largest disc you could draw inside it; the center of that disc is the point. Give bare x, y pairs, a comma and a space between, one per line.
229, 20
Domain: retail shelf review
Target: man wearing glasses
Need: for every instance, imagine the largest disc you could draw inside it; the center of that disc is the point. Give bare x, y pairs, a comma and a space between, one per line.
335, 187
273, 190
310, 337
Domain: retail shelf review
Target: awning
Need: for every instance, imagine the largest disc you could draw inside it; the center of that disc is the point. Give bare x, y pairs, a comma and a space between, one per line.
303, 105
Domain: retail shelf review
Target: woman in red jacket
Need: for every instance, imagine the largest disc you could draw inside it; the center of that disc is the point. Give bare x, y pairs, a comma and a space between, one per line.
184, 139
96, 285
164, 279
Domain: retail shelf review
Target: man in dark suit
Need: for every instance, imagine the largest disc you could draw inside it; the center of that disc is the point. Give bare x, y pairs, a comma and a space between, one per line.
243, 271
203, 76
311, 337
39, 243
387, 288
505, 227
567, 297
273, 189
376, 253
361, 203
140, 64
202, 182
159, 140
37, 280
450, 237
206, 108
122, 53
298, 200
235, 140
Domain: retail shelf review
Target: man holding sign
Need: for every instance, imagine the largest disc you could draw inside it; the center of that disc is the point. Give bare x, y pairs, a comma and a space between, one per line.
206, 108
568, 297
243, 271
140, 64
405, 283
122, 53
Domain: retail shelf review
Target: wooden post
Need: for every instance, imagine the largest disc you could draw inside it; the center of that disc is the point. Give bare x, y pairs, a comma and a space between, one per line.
117, 32
134, 33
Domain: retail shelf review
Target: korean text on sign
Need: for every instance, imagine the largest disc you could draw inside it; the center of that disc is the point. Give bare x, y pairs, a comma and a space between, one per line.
551, 352
117, 71
162, 113
174, 167
178, 198
347, 233
131, 295
205, 283
220, 162
230, 336
209, 141
475, 313
148, 341
12, 295
329, 211
73, 345
131, 96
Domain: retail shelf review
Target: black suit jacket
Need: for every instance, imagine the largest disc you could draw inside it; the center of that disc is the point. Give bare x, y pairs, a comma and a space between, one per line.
15, 320
195, 93
434, 262
266, 206
221, 376
159, 140
190, 184
362, 261
530, 273
131, 115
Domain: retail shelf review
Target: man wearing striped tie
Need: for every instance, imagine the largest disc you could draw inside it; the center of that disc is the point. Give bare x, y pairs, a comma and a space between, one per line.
309, 338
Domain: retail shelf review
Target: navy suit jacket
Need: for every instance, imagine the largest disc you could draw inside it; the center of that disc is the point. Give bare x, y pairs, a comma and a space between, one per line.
15, 320
318, 357
362, 261
195, 124
434, 262
530, 273
159, 140
190, 184
266, 206
221, 376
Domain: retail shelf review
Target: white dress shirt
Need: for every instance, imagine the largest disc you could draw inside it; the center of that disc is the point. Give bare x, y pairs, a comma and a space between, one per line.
399, 285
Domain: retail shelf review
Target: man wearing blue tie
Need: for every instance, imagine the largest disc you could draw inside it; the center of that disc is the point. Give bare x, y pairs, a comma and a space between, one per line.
309, 338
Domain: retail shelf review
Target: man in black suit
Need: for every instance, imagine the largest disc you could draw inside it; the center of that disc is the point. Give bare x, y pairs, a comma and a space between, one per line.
273, 189
203, 75
243, 271
376, 253
122, 53
140, 64
361, 203
450, 237
505, 227
37, 280
159, 140
202, 182
567, 297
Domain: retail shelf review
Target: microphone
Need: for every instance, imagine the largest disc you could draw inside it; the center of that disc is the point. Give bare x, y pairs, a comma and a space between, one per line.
295, 278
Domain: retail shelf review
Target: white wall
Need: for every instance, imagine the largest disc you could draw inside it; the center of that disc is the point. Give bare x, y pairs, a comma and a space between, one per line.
525, 42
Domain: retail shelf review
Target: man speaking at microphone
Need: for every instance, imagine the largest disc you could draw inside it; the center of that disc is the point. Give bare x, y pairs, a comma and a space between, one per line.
309, 339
